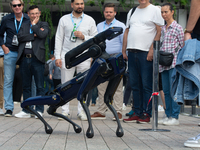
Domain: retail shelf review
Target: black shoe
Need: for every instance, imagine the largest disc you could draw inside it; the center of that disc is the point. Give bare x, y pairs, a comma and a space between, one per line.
8, 113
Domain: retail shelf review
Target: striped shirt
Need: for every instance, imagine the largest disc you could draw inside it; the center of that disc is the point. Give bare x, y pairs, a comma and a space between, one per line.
172, 40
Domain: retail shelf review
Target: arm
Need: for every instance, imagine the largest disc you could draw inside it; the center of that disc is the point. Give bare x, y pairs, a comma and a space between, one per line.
193, 17
125, 44
2, 31
41, 33
157, 38
51, 70
23, 36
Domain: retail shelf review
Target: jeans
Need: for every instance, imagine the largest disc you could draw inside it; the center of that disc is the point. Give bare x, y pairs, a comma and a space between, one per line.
48, 82
32, 67
141, 79
92, 94
172, 108
9, 72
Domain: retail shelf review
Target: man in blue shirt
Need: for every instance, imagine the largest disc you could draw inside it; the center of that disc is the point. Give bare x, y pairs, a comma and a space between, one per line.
11, 24
113, 46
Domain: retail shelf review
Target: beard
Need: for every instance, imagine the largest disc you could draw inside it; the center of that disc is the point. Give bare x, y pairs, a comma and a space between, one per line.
78, 11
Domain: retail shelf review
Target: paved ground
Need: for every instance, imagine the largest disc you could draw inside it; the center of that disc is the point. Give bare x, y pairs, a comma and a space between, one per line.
29, 134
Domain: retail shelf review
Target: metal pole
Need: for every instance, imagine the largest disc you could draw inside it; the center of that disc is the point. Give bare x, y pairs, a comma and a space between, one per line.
156, 47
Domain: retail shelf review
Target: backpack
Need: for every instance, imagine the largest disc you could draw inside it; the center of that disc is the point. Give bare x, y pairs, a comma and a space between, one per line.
46, 68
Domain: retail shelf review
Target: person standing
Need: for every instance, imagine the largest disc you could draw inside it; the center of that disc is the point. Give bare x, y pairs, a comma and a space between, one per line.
31, 57
113, 46
142, 28
172, 39
11, 24
54, 73
73, 29
192, 30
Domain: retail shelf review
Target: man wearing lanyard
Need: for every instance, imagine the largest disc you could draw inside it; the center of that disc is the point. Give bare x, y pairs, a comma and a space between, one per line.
73, 29
31, 56
113, 46
11, 25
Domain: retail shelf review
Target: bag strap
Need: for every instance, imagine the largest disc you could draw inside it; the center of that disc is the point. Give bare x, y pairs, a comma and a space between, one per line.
133, 10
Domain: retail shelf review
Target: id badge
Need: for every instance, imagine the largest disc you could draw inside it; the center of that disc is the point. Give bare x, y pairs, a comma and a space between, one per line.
28, 45
72, 37
15, 40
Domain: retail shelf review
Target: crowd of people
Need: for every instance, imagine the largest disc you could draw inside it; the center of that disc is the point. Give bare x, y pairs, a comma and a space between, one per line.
22, 41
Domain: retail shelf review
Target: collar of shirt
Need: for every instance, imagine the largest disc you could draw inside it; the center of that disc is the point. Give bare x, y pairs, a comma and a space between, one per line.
172, 25
78, 17
113, 22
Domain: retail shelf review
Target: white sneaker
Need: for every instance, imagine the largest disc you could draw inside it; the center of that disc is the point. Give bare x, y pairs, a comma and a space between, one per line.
171, 122
1, 112
64, 114
160, 108
38, 113
193, 142
162, 120
22, 114
124, 106
82, 116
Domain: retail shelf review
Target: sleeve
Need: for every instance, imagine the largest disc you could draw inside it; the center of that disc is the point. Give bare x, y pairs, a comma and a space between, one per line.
51, 67
180, 36
93, 30
2, 31
41, 33
60, 33
157, 17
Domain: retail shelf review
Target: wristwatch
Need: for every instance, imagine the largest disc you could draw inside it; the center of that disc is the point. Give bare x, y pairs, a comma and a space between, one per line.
186, 31
33, 24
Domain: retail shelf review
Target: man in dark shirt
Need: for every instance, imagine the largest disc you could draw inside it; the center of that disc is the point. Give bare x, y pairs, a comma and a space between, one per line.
11, 24
31, 56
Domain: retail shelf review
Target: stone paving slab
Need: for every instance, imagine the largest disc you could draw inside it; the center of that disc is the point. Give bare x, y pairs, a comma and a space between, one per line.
29, 134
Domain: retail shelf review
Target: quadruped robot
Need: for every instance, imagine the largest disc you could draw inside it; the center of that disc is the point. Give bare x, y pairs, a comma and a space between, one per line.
104, 68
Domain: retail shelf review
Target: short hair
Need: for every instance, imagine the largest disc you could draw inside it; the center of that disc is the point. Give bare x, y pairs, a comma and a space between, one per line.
51, 56
22, 2
33, 7
109, 5
170, 6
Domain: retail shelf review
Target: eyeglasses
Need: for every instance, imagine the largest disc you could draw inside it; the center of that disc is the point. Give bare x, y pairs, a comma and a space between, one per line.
34, 13
15, 5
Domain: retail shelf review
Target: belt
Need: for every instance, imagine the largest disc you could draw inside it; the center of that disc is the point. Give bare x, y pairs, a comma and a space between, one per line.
134, 50
1, 56
28, 55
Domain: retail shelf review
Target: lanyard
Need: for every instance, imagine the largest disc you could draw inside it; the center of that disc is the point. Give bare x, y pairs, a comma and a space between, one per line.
78, 23
112, 23
17, 30
31, 31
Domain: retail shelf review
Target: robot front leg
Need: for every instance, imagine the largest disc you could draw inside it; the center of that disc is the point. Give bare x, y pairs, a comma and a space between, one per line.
90, 131
108, 97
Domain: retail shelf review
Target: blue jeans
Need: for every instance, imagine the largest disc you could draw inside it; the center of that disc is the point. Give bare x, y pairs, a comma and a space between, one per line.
141, 72
92, 94
172, 108
9, 72
32, 67
48, 83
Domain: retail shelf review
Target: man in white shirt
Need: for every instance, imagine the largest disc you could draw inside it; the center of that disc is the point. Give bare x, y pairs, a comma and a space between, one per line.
113, 46
142, 28
73, 29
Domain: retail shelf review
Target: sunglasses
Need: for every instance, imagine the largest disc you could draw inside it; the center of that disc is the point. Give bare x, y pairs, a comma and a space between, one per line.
19, 5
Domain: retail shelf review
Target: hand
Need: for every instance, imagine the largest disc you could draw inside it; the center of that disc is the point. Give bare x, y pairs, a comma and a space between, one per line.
150, 55
35, 21
125, 56
187, 36
5, 49
79, 34
42, 29
58, 63
50, 76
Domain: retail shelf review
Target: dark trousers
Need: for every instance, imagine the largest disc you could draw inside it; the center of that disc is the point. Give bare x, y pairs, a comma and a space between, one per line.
29, 67
17, 86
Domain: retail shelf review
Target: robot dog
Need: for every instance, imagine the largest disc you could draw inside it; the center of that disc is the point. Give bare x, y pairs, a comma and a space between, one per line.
105, 68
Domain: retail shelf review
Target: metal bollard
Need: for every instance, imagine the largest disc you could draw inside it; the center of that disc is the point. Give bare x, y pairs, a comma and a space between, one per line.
156, 46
